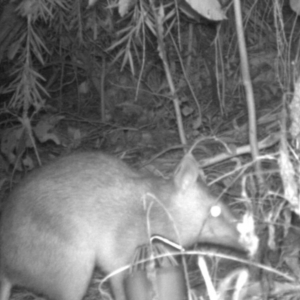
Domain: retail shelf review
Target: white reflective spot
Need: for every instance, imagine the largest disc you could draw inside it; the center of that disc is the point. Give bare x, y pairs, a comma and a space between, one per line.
215, 211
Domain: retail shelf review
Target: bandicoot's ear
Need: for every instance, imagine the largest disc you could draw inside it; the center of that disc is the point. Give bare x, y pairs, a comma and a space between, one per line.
187, 172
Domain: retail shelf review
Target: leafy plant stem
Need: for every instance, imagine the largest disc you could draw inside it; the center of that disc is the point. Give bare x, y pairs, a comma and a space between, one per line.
249, 91
158, 15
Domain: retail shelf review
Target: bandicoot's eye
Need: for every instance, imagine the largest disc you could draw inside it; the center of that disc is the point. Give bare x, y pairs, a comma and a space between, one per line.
215, 211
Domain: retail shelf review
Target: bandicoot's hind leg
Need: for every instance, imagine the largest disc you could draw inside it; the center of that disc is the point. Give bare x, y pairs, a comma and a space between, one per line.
5, 288
65, 275
72, 283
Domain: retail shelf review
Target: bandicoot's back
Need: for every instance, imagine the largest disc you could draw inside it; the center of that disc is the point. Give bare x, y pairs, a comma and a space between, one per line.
89, 210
